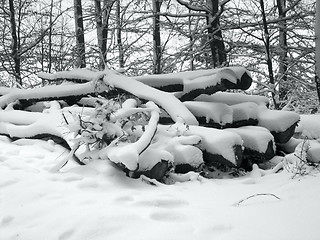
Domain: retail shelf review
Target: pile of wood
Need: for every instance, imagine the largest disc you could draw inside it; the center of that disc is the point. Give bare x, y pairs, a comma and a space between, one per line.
192, 122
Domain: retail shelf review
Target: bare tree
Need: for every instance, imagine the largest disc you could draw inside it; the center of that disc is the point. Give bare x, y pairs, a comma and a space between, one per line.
80, 44
213, 10
119, 34
15, 44
317, 33
156, 5
102, 13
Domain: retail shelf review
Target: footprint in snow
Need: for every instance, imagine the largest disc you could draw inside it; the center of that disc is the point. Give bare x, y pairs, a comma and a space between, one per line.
163, 203
88, 183
6, 220
124, 199
66, 235
8, 182
3, 158
167, 216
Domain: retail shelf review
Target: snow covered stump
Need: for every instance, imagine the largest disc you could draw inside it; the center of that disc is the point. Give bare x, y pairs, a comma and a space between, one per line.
110, 116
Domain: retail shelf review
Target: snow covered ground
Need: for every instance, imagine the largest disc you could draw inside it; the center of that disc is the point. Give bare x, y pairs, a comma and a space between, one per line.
97, 201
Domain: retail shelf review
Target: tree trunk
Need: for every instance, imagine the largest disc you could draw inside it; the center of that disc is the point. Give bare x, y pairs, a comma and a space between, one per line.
15, 45
317, 31
268, 53
80, 45
157, 51
283, 54
119, 37
50, 38
191, 39
217, 46
102, 22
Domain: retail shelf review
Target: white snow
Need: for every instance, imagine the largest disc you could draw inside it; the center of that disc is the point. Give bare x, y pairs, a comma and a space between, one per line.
49, 91
128, 154
244, 111
276, 120
180, 77
217, 112
254, 137
77, 73
99, 202
170, 103
233, 98
309, 126
222, 143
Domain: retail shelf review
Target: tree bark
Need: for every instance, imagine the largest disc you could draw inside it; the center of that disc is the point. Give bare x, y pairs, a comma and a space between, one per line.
283, 54
266, 40
50, 38
317, 31
80, 44
119, 35
102, 22
217, 46
15, 44
157, 51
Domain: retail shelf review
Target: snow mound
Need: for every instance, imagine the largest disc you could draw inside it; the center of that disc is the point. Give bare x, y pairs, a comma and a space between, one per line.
309, 126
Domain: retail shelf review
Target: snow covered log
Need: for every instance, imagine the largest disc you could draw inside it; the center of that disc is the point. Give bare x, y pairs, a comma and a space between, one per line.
194, 83
308, 126
244, 114
224, 79
217, 145
233, 98
220, 115
281, 124
78, 75
258, 143
168, 102
69, 93
210, 114
177, 111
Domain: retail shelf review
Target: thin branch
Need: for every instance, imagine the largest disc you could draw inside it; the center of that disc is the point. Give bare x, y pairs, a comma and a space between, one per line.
256, 195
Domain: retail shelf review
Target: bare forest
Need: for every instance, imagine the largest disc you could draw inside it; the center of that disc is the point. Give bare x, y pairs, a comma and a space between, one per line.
274, 40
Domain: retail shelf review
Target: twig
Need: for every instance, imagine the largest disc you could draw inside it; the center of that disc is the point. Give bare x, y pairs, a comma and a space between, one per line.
256, 195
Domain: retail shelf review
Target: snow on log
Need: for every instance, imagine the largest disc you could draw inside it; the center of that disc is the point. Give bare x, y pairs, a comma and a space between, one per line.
313, 152
128, 154
220, 115
182, 81
233, 98
308, 126
210, 114
173, 82
176, 109
281, 124
187, 158
226, 78
186, 155
52, 92
5, 90
290, 146
244, 114
75, 75
217, 145
258, 143
19, 124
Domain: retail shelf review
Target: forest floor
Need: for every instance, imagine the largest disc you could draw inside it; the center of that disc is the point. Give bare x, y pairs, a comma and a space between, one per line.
97, 201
